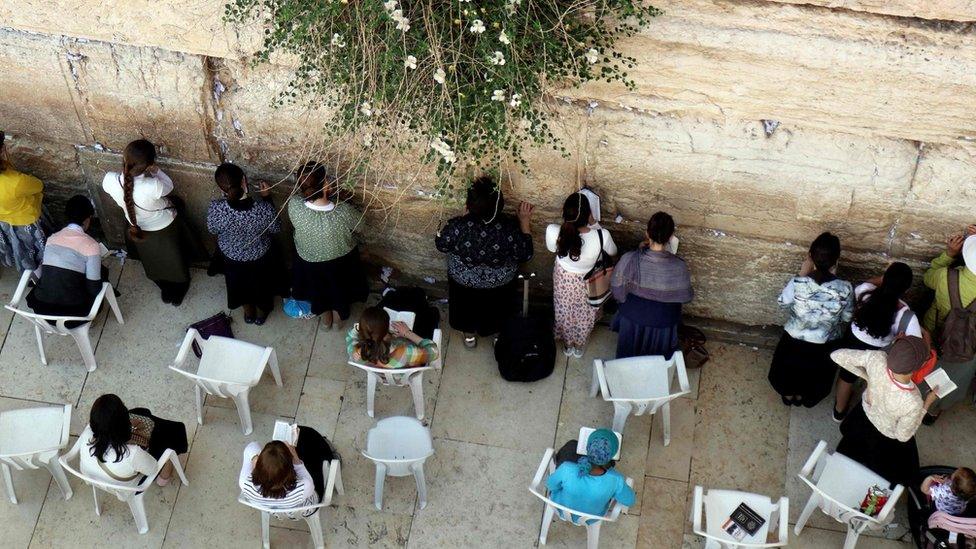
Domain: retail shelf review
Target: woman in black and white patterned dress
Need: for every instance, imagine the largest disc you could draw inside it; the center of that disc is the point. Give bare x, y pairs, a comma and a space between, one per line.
252, 267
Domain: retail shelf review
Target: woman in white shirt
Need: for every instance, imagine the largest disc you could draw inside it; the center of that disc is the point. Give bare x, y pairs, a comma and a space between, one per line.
158, 235
879, 316
282, 476
124, 445
577, 247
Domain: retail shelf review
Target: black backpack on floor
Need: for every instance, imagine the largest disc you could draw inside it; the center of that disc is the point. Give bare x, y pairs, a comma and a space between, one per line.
525, 350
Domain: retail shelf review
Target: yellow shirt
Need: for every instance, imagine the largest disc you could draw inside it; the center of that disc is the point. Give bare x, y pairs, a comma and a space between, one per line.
20, 197
937, 278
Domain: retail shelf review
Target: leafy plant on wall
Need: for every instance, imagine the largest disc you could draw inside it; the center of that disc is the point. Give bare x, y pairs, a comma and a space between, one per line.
459, 83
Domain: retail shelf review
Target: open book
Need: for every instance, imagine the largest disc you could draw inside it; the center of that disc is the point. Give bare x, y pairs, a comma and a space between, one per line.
407, 317
742, 522
285, 432
939, 382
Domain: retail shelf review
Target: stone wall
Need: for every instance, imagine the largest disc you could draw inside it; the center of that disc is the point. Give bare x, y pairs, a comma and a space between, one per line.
875, 103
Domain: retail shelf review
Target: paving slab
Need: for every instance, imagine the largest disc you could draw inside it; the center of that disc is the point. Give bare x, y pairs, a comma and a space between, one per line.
674, 460
663, 513
320, 404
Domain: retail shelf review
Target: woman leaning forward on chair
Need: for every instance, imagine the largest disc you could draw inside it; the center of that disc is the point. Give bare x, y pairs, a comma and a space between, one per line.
124, 445
283, 476
374, 341
589, 483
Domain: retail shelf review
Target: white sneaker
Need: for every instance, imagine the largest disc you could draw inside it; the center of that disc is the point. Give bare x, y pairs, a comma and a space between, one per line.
569, 351
577, 353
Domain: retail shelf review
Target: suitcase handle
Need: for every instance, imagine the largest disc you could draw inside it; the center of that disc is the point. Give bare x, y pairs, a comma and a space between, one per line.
525, 277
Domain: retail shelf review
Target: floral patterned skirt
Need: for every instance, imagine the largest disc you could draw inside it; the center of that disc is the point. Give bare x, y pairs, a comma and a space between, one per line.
22, 246
574, 316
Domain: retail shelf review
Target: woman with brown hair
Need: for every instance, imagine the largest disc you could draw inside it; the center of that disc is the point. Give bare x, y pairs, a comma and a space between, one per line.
326, 271
377, 343
24, 224
159, 237
283, 476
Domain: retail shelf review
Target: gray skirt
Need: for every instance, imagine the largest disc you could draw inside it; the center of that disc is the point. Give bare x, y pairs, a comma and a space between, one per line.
22, 246
164, 253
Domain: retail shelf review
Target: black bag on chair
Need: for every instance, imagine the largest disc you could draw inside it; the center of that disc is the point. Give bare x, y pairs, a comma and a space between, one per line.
525, 349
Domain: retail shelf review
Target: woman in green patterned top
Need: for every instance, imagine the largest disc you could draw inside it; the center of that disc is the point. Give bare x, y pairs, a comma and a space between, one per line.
326, 271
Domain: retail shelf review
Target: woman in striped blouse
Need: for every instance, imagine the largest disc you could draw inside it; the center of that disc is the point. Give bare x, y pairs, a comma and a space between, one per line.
374, 341
282, 476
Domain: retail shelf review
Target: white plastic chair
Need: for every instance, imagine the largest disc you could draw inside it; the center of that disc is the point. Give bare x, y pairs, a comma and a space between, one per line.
132, 495
32, 438
333, 483
404, 377
79, 334
399, 446
718, 505
839, 484
228, 369
591, 522
640, 384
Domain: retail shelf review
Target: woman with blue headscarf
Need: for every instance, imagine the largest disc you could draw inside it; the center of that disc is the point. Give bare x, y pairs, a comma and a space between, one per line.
589, 484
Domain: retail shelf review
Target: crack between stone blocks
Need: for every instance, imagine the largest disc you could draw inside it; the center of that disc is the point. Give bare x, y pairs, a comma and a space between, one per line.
212, 94
920, 152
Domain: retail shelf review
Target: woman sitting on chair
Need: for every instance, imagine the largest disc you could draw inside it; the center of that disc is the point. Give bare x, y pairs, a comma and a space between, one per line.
374, 341
588, 484
283, 476
124, 445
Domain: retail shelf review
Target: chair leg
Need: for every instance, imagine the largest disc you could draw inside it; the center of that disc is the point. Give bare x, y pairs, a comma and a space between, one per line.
8, 481
59, 477
273, 363
315, 528
370, 393
175, 460
620, 412
40, 344
594, 383
418, 473
417, 388
546, 522
266, 529
805, 515
338, 482
98, 509
244, 410
139, 513
593, 536
113, 304
380, 479
666, 422
199, 405
851, 540
80, 335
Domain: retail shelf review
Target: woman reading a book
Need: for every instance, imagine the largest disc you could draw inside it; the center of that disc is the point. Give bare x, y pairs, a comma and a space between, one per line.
377, 342
880, 431
590, 483
285, 475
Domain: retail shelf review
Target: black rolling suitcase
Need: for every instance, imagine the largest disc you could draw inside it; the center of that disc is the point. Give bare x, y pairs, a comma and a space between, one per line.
525, 350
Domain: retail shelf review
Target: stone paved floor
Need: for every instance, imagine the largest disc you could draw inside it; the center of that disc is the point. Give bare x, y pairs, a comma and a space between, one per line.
489, 435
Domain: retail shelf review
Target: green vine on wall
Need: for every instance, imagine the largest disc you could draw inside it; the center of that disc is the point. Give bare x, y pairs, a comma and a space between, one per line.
464, 81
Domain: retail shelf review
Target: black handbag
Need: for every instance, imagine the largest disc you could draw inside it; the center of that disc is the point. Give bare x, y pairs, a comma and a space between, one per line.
218, 325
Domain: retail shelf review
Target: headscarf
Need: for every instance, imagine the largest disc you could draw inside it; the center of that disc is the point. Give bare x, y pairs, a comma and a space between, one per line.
907, 354
600, 449
969, 253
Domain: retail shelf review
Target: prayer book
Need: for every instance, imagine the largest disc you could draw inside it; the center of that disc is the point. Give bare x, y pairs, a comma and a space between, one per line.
939, 381
285, 432
407, 317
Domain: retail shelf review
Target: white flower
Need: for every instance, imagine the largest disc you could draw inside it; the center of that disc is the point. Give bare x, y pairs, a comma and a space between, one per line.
403, 24
592, 56
503, 38
443, 149
498, 58
513, 5
477, 26
410, 62
337, 41
366, 108
516, 100
390, 5
368, 140
439, 76
498, 95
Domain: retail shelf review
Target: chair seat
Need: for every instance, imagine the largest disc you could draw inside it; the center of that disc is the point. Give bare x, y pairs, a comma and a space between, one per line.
230, 360
719, 505
399, 438
637, 378
848, 481
31, 430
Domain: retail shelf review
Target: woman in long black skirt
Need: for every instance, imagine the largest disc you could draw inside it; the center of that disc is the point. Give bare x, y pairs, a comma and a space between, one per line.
820, 304
880, 431
253, 270
327, 271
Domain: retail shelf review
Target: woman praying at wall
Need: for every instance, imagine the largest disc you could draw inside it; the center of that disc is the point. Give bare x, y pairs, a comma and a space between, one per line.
23, 222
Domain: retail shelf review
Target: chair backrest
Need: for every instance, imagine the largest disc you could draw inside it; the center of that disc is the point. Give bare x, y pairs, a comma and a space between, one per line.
399, 442
122, 491
22, 425
225, 350
17, 306
330, 471
538, 488
663, 372
842, 484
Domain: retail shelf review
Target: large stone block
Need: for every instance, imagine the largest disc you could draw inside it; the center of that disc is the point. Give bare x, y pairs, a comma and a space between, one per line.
949, 10
37, 98
127, 93
192, 26
840, 71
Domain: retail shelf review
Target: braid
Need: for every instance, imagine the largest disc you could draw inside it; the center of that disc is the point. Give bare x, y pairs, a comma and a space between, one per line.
137, 158
128, 184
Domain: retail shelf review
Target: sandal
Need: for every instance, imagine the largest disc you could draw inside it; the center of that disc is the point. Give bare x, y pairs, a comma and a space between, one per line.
471, 342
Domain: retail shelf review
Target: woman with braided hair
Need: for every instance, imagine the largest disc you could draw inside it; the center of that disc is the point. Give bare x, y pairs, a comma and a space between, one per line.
155, 231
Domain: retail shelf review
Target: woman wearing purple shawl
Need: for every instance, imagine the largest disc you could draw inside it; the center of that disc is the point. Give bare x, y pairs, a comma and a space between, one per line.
650, 284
